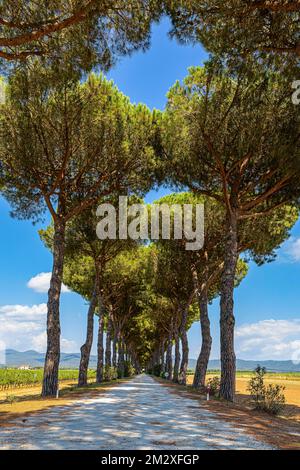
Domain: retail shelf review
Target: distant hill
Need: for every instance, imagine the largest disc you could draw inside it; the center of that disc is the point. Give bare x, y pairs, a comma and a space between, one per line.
271, 366
36, 359
71, 361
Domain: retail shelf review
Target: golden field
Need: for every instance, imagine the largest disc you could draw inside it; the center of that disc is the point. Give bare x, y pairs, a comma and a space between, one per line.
291, 382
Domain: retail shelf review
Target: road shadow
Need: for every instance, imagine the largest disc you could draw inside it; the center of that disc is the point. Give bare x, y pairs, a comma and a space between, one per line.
139, 414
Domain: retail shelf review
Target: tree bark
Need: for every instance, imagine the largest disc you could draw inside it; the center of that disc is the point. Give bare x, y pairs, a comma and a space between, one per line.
136, 364
162, 358
51, 368
108, 343
100, 348
203, 359
156, 357
169, 360
227, 320
177, 358
185, 348
86, 348
37, 31
121, 365
108, 350
114, 356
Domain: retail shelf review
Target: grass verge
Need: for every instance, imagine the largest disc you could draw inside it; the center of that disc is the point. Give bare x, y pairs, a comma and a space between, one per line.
30, 401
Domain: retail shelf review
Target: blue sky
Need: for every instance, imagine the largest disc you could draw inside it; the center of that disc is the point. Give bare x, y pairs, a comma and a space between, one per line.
267, 303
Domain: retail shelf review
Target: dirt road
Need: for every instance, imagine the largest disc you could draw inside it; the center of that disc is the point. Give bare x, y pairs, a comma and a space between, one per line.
140, 414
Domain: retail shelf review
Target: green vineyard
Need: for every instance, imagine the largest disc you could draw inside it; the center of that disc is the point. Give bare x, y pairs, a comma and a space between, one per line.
14, 378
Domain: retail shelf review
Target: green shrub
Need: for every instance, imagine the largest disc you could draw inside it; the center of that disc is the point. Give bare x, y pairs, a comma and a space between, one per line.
256, 387
274, 399
129, 370
11, 399
268, 398
213, 385
157, 369
110, 373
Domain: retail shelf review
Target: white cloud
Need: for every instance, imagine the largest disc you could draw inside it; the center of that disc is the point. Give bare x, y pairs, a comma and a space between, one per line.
2, 352
24, 311
23, 327
41, 283
68, 346
291, 250
269, 339
39, 343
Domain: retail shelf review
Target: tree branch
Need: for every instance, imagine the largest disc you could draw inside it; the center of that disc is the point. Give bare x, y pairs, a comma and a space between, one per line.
50, 28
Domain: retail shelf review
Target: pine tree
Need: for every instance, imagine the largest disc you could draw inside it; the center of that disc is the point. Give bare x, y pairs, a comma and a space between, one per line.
85, 33
233, 138
63, 148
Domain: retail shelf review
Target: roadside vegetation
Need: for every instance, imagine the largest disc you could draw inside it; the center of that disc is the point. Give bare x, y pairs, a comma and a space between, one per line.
290, 381
11, 379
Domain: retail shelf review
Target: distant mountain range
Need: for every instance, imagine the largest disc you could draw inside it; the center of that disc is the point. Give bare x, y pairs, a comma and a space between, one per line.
271, 366
36, 359
71, 361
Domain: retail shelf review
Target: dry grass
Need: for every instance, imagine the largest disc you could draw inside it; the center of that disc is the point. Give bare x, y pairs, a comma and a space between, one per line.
281, 433
32, 390
292, 388
29, 400
292, 391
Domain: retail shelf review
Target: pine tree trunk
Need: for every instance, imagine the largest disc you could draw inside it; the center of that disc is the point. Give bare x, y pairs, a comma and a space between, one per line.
156, 357
51, 368
169, 360
162, 358
136, 364
177, 358
100, 351
86, 348
185, 349
121, 365
202, 363
114, 356
227, 321
108, 350
108, 345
